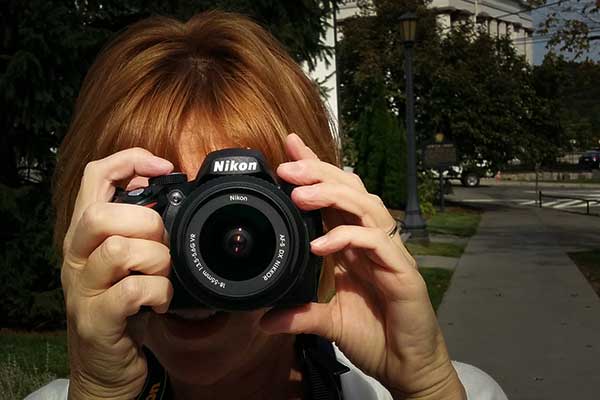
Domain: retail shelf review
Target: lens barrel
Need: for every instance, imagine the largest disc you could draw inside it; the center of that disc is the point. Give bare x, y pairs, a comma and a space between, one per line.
238, 243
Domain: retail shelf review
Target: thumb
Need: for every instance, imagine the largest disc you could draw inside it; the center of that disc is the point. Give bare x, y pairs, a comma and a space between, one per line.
312, 318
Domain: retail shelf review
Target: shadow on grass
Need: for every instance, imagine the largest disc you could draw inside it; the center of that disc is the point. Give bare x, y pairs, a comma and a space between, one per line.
435, 249
588, 263
455, 221
437, 280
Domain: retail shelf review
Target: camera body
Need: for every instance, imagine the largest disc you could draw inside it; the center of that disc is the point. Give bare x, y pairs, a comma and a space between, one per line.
237, 240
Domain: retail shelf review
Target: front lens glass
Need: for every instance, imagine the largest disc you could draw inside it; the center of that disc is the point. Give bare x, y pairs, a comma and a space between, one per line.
237, 242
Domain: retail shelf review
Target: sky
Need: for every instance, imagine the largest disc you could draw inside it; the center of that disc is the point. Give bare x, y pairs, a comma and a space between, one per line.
539, 47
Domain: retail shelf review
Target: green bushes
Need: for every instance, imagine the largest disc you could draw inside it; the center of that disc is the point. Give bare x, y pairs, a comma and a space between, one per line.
381, 153
29, 273
378, 146
428, 191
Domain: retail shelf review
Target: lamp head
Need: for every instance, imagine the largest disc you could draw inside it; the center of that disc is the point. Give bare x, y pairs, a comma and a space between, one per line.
408, 27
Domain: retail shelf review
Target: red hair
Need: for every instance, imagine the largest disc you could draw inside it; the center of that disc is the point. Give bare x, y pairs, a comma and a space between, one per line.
219, 73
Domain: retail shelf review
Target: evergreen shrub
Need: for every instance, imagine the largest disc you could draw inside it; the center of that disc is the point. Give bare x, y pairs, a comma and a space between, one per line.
381, 153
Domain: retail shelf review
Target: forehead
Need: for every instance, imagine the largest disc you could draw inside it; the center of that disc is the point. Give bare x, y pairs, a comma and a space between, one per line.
196, 140
202, 132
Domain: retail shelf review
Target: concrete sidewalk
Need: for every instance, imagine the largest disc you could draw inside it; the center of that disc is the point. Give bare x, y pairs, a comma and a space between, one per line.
519, 309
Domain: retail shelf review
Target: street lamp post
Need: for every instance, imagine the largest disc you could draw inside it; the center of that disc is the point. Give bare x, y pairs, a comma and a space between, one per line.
413, 221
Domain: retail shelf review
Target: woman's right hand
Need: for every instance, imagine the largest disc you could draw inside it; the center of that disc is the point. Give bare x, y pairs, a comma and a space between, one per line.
105, 242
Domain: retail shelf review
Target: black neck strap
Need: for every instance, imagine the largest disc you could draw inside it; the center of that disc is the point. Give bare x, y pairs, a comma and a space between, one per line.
320, 367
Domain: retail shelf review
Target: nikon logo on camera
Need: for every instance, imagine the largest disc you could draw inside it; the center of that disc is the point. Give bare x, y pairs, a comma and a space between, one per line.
235, 165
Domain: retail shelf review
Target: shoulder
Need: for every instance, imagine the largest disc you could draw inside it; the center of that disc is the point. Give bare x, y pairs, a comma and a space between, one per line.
55, 390
478, 384
358, 385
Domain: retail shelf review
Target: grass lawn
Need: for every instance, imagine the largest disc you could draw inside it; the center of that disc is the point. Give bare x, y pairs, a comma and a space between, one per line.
29, 361
458, 221
455, 221
589, 264
437, 282
435, 249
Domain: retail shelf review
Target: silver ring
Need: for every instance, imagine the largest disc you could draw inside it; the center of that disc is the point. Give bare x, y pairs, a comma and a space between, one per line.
394, 230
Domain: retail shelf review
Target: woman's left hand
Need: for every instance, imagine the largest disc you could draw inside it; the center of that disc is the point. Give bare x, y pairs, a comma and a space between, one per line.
380, 316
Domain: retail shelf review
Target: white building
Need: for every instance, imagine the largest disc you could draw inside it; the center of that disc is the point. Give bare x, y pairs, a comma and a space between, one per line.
497, 17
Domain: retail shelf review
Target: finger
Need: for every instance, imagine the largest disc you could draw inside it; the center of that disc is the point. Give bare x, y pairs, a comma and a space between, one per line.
383, 251
310, 171
311, 318
99, 176
137, 182
102, 220
118, 256
366, 207
125, 298
297, 150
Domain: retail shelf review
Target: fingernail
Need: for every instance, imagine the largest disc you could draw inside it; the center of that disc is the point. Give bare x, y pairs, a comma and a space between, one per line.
307, 191
286, 166
297, 138
162, 163
319, 241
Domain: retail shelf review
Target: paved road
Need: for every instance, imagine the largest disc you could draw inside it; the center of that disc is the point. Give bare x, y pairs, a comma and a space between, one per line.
517, 306
525, 195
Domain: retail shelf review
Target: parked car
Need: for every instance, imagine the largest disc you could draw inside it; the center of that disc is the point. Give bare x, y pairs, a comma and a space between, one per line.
469, 177
469, 174
590, 159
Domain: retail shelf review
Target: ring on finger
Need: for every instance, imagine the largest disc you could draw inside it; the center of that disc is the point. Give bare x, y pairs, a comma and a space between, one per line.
392, 232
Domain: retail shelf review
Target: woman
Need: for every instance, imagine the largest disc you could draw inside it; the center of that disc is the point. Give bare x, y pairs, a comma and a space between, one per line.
158, 99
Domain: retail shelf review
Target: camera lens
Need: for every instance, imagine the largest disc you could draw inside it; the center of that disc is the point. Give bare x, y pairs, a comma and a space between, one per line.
237, 242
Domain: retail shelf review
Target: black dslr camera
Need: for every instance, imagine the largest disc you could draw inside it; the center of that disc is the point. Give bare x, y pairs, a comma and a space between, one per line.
237, 240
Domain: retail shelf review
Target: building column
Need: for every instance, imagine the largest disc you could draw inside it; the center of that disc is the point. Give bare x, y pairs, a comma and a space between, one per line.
501, 28
510, 31
528, 47
493, 28
521, 36
444, 22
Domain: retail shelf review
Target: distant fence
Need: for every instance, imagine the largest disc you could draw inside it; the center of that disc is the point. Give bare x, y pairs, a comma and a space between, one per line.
582, 199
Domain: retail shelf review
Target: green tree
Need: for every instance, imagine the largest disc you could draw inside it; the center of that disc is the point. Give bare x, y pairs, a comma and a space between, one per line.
573, 89
572, 26
45, 49
486, 93
474, 87
381, 152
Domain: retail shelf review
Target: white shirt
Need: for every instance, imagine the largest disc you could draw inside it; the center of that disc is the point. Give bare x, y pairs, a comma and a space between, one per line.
356, 385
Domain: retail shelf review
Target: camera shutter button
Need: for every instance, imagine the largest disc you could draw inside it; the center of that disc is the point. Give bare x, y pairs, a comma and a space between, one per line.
136, 192
170, 179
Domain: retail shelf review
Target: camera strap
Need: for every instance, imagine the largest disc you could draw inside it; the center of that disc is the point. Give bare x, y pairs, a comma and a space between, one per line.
320, 367
157, 386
